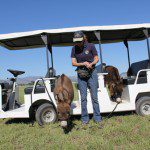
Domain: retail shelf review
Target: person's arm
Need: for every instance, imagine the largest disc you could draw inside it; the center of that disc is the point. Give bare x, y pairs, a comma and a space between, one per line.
74, 63
95, 55
96, 59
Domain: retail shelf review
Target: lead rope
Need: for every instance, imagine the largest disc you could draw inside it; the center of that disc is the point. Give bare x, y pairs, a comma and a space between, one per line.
109, 116
48, 92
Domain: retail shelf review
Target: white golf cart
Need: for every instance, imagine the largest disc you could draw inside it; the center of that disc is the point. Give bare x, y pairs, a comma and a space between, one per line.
39, 99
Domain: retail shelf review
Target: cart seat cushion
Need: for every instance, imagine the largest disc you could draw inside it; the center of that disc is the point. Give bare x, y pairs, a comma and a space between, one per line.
137, 66
98, 68
40, 89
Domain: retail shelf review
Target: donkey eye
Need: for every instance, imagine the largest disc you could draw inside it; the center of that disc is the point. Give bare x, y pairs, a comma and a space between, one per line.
56, 97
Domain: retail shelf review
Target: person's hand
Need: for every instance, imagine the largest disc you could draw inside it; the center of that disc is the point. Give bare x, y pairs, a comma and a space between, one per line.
89, 66
86, 63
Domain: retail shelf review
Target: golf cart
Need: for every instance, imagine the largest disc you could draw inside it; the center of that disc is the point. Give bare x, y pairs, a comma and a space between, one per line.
39, 99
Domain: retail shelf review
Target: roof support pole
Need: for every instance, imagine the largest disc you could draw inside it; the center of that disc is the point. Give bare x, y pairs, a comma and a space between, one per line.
98, 35
44, 38
127, 46
51, 52
47, 59
148, 47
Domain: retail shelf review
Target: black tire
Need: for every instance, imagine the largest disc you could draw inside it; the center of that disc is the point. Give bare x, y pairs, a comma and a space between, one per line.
143, 106
42, 116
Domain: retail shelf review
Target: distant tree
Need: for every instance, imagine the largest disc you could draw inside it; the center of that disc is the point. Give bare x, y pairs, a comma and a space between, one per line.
31, 83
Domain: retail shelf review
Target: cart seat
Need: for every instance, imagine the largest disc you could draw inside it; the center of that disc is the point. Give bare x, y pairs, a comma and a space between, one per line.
6, 85
98, 68
129, 80
137, 66
15, 72
134, 69
40, 89
51, 73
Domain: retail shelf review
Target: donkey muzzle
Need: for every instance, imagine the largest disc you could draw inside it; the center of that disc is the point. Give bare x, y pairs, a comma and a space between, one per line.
63, 124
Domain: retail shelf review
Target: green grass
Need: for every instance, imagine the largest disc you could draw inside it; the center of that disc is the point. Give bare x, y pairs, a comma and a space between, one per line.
124, 131
21, 92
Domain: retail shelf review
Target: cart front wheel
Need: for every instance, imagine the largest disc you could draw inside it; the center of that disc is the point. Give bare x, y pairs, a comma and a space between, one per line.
46, 114
143, 106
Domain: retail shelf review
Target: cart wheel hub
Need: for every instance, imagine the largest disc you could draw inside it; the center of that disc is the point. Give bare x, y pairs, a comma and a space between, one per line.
48, 116
146, 109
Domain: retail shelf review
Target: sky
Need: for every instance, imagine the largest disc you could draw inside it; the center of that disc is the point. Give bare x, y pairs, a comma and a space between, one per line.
28, 15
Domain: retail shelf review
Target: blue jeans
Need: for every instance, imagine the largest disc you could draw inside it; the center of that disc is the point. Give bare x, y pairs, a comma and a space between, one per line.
92, 83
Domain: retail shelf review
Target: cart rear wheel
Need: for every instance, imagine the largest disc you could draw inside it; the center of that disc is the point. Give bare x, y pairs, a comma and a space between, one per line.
46, 114
143, 106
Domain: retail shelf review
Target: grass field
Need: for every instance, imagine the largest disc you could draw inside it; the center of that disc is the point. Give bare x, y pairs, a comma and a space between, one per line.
123, 131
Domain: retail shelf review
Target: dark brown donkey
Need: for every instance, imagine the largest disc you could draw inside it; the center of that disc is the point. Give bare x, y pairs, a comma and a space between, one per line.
114, 82
64, 94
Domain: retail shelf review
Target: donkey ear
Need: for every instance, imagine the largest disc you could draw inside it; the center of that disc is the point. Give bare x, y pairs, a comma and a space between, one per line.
65, 94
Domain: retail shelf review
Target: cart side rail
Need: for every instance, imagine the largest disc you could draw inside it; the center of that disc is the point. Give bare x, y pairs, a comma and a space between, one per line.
143, 70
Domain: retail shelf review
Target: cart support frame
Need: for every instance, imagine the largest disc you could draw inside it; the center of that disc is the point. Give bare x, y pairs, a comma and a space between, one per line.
147, 40
98, 35
128, 52
48, 46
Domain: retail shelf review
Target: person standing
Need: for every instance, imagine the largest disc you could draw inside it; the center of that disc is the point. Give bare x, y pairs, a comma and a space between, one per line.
84, 57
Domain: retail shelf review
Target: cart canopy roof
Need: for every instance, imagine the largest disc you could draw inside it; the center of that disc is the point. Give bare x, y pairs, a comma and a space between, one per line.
64, 36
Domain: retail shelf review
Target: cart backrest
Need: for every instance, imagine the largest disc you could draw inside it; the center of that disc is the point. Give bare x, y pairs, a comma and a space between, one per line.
98, 68
51, 73
137, 66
